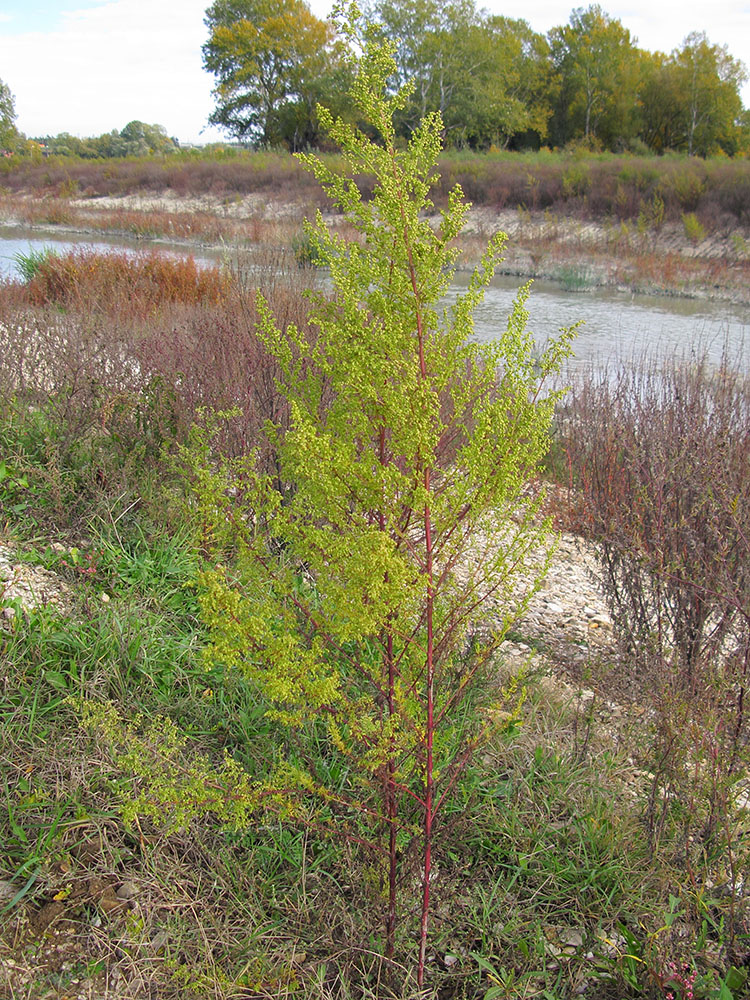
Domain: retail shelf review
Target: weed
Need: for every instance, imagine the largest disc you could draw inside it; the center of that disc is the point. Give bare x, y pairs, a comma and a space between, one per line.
741, 246
651, 215
574, 278
577, 180
694, 230
383, 684
306, 253
659, 455
28, 264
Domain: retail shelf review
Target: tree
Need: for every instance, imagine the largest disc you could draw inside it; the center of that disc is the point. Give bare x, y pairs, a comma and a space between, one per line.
430, 53
9, 134
690, 100
136, 139
599, 70
507, 94
660, 100
142, 139
273, 60
487, 76
355, 597
743, 132
708, 82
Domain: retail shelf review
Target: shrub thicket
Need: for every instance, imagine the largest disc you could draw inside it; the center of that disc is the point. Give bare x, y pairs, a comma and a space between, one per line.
594, 186
658, 458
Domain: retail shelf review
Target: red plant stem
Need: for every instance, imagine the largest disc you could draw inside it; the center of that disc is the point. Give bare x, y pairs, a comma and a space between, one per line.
430, 601
429, 664
429, 734
392, 817
391, 804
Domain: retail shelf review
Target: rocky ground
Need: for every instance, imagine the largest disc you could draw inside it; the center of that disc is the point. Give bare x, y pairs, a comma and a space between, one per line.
566, 616
23, 585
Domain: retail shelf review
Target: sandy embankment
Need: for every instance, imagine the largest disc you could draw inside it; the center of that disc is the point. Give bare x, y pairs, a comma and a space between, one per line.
580, 254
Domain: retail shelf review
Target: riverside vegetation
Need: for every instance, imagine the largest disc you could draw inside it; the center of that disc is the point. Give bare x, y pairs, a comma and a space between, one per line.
207, 461
674, 225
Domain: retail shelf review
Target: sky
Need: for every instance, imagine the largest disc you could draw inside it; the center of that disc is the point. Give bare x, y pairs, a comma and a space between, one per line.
89, 66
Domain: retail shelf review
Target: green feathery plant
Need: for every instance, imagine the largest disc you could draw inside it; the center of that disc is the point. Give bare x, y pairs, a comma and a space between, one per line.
30, 263
353, 598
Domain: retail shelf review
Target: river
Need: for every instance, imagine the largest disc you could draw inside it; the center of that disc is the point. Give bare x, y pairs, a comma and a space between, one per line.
614, 324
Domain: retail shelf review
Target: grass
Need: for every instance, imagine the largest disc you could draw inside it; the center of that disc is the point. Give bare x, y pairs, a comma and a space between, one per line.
543, 868
29, 264
542, 862
574, 278
536, 820
546, 882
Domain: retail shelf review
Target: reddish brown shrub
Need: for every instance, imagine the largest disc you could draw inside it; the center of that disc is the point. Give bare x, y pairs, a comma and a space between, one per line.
140, 346
658, 459
135, 284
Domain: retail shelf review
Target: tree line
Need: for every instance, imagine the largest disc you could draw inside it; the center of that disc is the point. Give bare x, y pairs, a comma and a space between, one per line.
496, 82
135, 139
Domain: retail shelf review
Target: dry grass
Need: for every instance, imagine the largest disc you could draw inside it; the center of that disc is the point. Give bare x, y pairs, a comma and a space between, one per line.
591, 187
120, 283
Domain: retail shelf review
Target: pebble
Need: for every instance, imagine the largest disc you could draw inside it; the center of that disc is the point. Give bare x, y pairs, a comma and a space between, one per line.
568, 607
127, 890
33, 585
7, 890
159, 939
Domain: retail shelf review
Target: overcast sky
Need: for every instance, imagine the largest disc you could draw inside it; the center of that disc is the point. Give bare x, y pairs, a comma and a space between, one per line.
90, 66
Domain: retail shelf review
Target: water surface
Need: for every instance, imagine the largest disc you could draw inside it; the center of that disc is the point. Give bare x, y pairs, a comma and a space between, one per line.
614, 324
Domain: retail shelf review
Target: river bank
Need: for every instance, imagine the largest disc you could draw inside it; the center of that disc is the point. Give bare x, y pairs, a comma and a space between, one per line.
647, 256
576, 840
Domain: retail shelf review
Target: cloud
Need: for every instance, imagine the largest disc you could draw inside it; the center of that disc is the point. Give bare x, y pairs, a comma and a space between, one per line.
104, 66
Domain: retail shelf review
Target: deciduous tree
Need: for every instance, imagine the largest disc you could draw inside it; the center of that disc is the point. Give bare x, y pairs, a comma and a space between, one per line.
708, 83
690, 100
660, 100
9, 134
273, 60
487, 76
508, 93
141, 139
599, 70
430, 52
